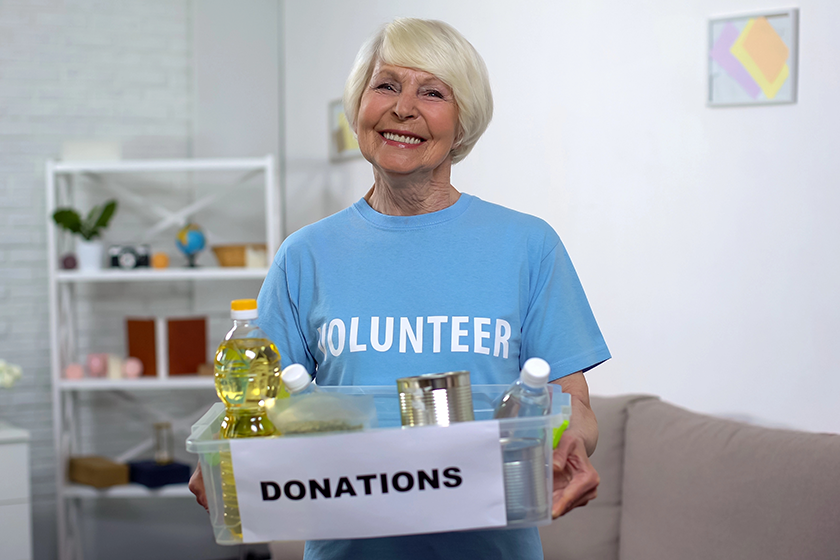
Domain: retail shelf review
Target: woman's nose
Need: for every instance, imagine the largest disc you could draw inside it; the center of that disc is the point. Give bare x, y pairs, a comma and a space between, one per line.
405, 107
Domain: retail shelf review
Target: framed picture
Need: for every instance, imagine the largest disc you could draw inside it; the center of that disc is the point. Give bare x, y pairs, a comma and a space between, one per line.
753, 58
343, 144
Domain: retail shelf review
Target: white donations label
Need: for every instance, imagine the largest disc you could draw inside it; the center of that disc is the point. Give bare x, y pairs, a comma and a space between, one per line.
370, 484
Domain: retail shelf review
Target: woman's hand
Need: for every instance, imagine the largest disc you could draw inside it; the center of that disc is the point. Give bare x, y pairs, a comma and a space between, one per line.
197, 487
575, 479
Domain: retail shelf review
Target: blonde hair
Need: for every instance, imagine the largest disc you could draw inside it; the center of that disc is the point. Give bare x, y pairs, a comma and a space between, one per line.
437, 48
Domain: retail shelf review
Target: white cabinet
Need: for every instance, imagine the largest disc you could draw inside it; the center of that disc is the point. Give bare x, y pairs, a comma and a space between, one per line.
15, 508
230, 199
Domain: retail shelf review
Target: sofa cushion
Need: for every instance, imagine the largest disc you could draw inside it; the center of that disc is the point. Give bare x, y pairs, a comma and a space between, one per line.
702, 487
591, 532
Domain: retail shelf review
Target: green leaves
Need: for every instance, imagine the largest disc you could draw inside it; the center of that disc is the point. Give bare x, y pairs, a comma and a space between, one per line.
68, 219
98, 219
89, 228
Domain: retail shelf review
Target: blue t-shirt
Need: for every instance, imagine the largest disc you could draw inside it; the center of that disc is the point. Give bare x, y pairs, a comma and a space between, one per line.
362, 298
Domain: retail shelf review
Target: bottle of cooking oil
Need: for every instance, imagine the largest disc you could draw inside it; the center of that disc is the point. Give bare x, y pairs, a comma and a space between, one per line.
247, 371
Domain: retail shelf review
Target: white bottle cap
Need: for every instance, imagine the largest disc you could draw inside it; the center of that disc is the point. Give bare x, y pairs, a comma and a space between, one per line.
295, 377
535, 372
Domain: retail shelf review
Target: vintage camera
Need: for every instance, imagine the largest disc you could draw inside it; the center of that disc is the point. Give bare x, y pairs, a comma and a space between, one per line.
129, 256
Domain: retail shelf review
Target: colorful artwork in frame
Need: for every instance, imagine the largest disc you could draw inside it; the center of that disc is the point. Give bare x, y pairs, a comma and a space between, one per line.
343, 143
753, 59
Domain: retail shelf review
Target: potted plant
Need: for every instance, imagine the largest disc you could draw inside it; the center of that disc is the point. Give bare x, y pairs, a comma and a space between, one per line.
88, 247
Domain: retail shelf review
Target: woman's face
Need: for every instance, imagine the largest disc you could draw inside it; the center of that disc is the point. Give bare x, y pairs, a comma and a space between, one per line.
407, 121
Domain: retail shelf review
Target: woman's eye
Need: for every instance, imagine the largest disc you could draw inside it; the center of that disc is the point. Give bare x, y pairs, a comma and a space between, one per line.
386, 86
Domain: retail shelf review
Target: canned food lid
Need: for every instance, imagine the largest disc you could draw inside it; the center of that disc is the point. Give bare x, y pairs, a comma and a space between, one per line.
432, 381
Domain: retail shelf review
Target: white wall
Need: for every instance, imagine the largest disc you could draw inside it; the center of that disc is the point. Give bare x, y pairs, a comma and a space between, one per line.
236, 96
705, 238
236, 71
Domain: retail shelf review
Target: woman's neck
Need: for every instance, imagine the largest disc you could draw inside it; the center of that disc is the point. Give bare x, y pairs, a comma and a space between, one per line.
404, 197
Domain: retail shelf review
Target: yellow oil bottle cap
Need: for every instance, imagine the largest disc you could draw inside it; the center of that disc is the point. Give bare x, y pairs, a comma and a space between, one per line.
243, 304
243, 309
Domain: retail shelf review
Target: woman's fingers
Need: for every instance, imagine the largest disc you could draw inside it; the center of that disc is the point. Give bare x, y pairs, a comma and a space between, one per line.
196, 486
575, 479
578, 492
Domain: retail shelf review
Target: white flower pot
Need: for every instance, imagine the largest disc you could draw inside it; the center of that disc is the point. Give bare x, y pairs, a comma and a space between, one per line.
89, 254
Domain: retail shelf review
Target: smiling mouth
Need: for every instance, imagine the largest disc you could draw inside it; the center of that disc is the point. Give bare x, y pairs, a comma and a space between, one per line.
402, 139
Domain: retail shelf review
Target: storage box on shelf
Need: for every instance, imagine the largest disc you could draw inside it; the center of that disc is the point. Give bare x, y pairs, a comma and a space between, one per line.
198, 187
346, 512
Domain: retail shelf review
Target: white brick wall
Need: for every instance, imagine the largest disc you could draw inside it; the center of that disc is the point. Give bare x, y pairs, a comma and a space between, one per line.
70, 70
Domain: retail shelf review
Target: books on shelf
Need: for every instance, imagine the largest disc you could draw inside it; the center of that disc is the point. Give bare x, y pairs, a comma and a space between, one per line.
167, 346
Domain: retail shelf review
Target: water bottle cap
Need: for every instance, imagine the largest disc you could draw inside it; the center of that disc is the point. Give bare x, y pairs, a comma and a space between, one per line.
295, 377
535, 372
243, 309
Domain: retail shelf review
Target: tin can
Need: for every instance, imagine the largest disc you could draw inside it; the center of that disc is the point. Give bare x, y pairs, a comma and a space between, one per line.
525, 467
435, 399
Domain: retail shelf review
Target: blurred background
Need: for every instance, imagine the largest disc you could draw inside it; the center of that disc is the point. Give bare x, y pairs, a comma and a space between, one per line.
706, 238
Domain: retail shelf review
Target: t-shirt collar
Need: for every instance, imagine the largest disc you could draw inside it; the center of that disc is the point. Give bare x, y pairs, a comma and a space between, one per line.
413, 222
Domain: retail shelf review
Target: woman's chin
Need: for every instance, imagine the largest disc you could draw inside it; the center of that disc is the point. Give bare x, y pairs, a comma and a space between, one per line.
397, 167
401, 169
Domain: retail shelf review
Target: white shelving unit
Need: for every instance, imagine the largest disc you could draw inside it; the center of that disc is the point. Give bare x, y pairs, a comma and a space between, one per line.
61, 179
165, 275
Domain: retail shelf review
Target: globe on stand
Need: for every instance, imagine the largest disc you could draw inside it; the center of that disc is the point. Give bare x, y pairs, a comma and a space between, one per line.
190, 241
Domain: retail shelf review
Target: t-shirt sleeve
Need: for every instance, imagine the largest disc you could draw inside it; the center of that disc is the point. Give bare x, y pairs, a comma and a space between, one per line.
559, 325
280, 316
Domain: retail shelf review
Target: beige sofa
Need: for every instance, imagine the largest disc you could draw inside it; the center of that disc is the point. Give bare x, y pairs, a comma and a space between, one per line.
676, 485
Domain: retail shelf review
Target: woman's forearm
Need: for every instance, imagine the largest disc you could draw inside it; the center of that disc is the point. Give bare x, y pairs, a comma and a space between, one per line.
583, 422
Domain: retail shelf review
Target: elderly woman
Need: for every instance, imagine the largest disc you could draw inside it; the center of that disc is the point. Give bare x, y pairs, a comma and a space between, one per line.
417, 277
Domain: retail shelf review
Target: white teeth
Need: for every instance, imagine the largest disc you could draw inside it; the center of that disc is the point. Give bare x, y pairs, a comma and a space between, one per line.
401, 138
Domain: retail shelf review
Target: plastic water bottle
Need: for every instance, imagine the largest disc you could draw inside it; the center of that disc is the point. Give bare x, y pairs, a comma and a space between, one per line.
525, 451
298, 381
528, 395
